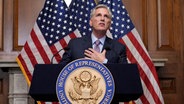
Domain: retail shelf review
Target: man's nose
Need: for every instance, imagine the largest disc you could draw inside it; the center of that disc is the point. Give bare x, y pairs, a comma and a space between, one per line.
102, 18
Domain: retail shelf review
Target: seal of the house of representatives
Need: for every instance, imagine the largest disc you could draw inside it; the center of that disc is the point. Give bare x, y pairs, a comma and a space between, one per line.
85, 81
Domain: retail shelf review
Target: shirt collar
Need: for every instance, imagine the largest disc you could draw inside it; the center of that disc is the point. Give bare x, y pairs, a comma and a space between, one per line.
102, 40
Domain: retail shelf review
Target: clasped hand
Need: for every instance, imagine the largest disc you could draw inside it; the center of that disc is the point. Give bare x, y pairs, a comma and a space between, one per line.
92, 54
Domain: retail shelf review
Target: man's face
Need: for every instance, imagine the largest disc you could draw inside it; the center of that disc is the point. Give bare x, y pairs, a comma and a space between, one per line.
101, 20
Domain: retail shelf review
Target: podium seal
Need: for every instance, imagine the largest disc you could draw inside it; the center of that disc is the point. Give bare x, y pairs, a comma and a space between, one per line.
85, 81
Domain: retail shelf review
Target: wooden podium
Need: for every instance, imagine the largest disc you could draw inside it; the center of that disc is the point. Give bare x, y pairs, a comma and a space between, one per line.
126, 77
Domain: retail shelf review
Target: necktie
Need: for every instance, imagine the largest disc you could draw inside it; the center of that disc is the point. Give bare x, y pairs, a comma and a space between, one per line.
97, 48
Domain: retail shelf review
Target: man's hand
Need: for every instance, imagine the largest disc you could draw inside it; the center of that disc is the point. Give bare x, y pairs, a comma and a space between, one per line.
92, 54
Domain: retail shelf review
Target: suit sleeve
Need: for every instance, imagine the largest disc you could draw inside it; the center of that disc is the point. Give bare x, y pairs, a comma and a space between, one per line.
67, 55
123, 55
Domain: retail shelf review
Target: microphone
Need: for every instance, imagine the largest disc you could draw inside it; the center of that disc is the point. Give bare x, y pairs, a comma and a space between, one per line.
57, 53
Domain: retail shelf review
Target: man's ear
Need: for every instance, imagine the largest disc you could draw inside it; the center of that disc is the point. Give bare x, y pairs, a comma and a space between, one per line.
90, 22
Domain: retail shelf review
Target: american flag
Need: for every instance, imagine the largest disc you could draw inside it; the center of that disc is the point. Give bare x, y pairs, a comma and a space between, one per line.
123, 30
53, 29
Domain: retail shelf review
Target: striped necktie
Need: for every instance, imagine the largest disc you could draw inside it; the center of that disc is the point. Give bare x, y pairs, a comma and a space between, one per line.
97, 43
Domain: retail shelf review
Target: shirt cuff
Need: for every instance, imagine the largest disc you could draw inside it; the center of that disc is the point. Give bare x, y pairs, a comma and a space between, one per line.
105, 61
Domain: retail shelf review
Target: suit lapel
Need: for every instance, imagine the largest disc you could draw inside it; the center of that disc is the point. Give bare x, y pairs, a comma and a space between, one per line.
107, 43
87, 42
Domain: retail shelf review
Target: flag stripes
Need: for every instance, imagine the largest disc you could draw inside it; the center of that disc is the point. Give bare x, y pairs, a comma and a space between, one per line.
136, 54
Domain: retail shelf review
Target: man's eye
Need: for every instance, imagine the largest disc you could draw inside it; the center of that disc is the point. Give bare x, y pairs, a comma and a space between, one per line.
98, 15
107, 16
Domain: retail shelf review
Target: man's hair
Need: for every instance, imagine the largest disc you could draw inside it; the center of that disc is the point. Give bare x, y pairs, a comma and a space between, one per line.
100, 6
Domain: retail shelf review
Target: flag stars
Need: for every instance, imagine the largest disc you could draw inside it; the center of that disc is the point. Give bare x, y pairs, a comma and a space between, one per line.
39, 18
117, 18
113, 4
41, 13
82, 7
116, 30
108, 2
45, 14
65, 21
55, 20
128, 27
63, 33
118, 12
51, 4
60, 13
57, 31
43, 20
51, 36
50, 41
59, 19
46, 8
81, 13
47, 28
43, 26
52, 29
56, 5
58, 25
66, 15
123, 7
113, 10
80, 19
70, 29
117, 24
54, 17
48, 2
87, 9
50, 10
46, 34
84, 33
57, 37
48, 22
92, 4
49, 16
111, 28
61, 7
55, 11
128, 20
66, 9
85, 27
64, 27
122, 25
79, 25
123, 19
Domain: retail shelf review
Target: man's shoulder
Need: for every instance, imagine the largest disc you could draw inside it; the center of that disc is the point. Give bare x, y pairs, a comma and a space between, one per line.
80, 38
114, 42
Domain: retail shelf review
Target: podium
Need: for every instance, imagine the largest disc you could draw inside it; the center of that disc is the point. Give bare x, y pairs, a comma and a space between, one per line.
126, 77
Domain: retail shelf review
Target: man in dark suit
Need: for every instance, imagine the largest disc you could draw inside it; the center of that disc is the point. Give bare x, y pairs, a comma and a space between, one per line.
110, 51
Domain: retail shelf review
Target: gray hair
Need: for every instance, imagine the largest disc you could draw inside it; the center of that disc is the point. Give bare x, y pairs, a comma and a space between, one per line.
100, 6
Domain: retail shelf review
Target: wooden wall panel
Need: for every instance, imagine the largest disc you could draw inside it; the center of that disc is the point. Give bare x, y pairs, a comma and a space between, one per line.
137, 12
165, 24
24, 19
1, 24
3, 87
160, 24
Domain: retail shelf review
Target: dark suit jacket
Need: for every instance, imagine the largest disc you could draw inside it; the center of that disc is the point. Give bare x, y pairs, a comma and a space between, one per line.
116, 52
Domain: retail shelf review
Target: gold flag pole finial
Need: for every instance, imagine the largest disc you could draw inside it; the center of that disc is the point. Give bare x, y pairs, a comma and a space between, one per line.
96, 1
